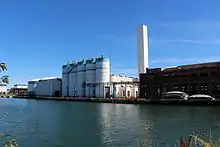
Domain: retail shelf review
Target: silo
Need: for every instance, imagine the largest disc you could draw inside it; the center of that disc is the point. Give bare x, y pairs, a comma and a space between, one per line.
65, 80
80, 88
102, 75
90, 77
72, 78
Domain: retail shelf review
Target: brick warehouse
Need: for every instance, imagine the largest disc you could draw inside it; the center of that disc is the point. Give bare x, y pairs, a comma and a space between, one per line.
201, 78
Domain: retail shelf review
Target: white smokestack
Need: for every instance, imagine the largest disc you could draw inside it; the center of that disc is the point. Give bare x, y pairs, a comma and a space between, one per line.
142, 49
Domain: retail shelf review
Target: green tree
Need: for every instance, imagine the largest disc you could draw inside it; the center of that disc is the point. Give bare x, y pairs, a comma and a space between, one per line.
4, 79
3, 67
7, 141
4, 140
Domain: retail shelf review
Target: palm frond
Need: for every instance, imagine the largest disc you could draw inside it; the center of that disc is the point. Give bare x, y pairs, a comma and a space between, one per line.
5, 79
3, 67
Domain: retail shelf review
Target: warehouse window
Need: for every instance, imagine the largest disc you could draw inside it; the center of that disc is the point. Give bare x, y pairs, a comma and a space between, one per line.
214, 73
204, 87
128, 94
93, 92
204, 74
164, 90
185, 75
193, 75
218, 87
123, 93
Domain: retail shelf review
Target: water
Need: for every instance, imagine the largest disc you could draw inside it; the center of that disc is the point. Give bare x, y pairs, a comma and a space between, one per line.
36, 123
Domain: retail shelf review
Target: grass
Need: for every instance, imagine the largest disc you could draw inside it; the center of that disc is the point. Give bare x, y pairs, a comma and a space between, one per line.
7, 141
196, 141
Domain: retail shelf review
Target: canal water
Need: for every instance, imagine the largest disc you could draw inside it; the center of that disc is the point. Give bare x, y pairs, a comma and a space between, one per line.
38, 123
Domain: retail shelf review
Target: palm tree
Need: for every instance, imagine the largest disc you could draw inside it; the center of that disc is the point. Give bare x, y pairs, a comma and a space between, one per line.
4, 79
7, 142
3, 67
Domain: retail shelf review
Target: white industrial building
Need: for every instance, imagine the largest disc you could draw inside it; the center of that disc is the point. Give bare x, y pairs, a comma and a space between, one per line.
50, 86
86, 77
91, 78
3, 88
20, 86
124, 87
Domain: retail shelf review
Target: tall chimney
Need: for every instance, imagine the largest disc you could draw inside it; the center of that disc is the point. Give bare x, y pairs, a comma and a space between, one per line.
142, 49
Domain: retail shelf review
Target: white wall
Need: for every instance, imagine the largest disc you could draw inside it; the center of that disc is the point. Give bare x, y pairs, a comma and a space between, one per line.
3, 88
47, 87
127, 91
114, 78
124, 90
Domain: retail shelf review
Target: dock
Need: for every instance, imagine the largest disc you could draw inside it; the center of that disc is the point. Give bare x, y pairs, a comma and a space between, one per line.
126, 101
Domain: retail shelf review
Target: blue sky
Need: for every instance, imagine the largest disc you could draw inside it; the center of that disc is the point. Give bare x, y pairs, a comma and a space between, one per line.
38, 36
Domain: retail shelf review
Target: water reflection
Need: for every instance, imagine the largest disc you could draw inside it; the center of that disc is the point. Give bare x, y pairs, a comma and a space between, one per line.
170, 123
49, 123
122, 125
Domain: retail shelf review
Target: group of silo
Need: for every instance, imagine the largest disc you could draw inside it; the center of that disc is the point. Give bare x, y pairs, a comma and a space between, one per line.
65, 80
90, 77
72, 78
102, 75
86, 78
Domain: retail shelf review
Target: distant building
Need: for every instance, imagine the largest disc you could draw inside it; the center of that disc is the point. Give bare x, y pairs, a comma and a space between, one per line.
86, 77
91, 78
50, 86
20, 86
192, 79
19, 90
122, 86
3, 88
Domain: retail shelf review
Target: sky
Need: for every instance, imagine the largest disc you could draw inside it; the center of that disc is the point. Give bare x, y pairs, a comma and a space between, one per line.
38, 36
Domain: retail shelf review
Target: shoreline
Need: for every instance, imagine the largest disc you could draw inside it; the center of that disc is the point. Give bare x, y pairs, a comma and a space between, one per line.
126, 101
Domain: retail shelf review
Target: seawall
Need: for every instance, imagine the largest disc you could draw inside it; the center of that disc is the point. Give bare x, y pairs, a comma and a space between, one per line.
126, 101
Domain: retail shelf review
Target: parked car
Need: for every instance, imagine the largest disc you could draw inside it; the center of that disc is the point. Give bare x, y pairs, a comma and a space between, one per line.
201, 97
175, 95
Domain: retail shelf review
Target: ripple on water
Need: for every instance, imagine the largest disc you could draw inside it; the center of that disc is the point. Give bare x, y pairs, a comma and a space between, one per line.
49, 123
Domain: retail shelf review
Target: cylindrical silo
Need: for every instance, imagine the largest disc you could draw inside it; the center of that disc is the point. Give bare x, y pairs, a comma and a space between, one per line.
65, 80
72, 78
90, 77
102, 75
80, 88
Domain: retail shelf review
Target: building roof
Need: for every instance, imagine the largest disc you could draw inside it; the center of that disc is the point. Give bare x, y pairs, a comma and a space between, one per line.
45, 78
2, 84
190, 66
19, 84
